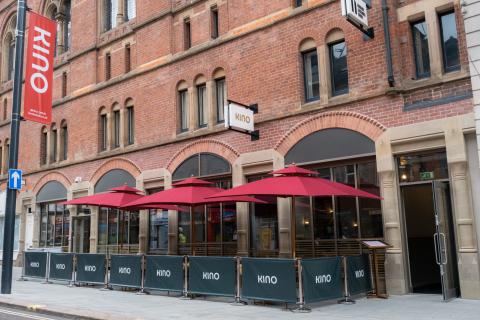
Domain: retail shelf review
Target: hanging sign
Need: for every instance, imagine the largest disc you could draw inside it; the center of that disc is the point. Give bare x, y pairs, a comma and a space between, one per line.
39, 69
355, 10
239, 117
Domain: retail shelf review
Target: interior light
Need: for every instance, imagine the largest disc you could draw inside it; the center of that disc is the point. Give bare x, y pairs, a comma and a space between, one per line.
404, 177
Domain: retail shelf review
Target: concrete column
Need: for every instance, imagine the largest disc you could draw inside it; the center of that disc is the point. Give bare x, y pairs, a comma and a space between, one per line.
36, 225
468, 259
434, 44
395, 259
143, 231
192, 114
323, 73
243, 241
94, 212
120, 12
123, 127
109, 130
60, 17
73, 213
211, 103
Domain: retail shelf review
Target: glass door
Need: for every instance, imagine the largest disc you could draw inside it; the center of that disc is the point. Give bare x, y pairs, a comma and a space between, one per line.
444, 240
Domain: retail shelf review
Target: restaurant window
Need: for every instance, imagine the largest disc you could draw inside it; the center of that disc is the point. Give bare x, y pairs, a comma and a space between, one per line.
16, 232
338, 67
422, 167
158, 228
118, 231
183, 109
449, 38
221, 98
420, 49
116, 129
187, 34
311, 76
202, 105
54, 225
214, 22
346, 208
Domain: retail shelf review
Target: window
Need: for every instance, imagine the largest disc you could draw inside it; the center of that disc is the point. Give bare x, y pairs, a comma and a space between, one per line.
187, 34
116, 128
130, 125
221, 94
128, 63
43, 147
118, 231
103, 132
8, 49
420, 49
338, 68
108, 66
11, 59
67, 25
130, 10
54, 225
5, 106
110, 14
54, 140
64, 85
64, 137
202, 105
297, 3
449, 38
183, 97
7, 155
311, 77
1, 160
61, 14
214, 22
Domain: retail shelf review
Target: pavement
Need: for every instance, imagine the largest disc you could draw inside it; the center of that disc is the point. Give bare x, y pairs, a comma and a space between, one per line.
59, 300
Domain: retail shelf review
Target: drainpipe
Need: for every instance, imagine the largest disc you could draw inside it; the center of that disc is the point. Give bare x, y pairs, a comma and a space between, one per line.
386, 33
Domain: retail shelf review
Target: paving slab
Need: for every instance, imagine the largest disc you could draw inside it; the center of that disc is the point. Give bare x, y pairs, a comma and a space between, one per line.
93, 303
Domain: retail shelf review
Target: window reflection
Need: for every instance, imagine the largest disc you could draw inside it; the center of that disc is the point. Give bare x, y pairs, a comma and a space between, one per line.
420, 49
451, 59
339, 68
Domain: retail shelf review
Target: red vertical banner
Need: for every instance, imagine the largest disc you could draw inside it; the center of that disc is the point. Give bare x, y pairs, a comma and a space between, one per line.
39, 69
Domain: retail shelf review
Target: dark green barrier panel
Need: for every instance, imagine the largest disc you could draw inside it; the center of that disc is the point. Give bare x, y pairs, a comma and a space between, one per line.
90, 268
358, 271
61, 266
212, 275
269, 279
126, 271
322, 279
164, 273
35, 264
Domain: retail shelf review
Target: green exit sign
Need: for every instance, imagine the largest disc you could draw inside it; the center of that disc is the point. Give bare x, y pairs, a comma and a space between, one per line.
427, 175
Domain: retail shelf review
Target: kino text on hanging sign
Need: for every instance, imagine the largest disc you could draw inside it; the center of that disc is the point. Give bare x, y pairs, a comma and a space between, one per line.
39, 69
239, 117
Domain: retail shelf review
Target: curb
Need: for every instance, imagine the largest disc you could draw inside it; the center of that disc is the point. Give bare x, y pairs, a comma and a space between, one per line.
45, 311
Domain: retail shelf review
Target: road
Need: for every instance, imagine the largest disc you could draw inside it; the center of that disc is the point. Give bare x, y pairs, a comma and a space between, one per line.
15, 314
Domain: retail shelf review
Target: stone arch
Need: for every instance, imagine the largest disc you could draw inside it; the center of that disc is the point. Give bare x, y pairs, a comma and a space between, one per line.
51, 176
207, 145
117, 163
335, 119
307, 44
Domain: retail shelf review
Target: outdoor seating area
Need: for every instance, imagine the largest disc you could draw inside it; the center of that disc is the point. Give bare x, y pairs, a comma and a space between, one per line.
295, 282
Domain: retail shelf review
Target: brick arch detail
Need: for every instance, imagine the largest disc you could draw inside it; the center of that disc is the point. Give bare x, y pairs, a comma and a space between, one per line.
335, 119
51, 176
206, 145
118, 163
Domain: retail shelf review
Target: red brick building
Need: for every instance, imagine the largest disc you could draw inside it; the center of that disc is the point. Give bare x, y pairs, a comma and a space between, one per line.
138, 98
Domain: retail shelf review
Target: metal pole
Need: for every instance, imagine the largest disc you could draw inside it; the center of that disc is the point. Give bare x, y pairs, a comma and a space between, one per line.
346, 299
9, 229
293, 229
301, 297
238, 301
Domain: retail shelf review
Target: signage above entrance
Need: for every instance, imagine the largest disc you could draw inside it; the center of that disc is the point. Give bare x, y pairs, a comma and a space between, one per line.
239, 117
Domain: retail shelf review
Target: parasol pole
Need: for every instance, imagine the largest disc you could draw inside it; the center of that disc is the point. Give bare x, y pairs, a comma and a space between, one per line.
192, 231
293, 228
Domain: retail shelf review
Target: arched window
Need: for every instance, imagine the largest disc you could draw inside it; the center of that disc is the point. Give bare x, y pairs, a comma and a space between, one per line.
220, 93
311, 75
124, 10
43, 146
8, 49
6, 156
116, 126
54, 143
183, 106
130, 122
130, 9
64, 141
337, 55
102, 129
202, 101
60, 12
110, 10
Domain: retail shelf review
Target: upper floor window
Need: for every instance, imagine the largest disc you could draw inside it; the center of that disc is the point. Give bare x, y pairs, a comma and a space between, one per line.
338, 67
130, 123
61, 14
64, 141
297, 3
130, 9
187, 36
103, 131
183, 110
311, 76
420, 49
108, 66
8, 49
110, 10
43, 146
116, 128
128, 58
449, 38
221, 95
5, 106
53, 144
64, 84
202, 105
214, 22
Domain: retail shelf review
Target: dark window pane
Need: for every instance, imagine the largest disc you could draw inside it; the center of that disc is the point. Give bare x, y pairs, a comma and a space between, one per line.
339, 68
214, 27
451, 59
214, 223
371, 224
134, 227
113, 226
229, 222
130, 126
159, 229
187, 34
102, 226
54, 146
67, 26
202, 105
184, 226
211, 164
183, 95
311, 77
11, 55
199, 223
116, 129
302, 215
420, 49
323, 219
422, 167
188, 168
221, 98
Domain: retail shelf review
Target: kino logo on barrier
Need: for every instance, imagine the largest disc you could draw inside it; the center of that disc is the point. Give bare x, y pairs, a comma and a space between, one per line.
35, 264
60, 266
163, 273
210, 276
90, 268
267, 279
124, 270
359, 273
324, 278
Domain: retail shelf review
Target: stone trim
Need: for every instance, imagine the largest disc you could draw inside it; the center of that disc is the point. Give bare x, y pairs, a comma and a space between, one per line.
116, 163
207, 145
51, 176
335, 119
436, 102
